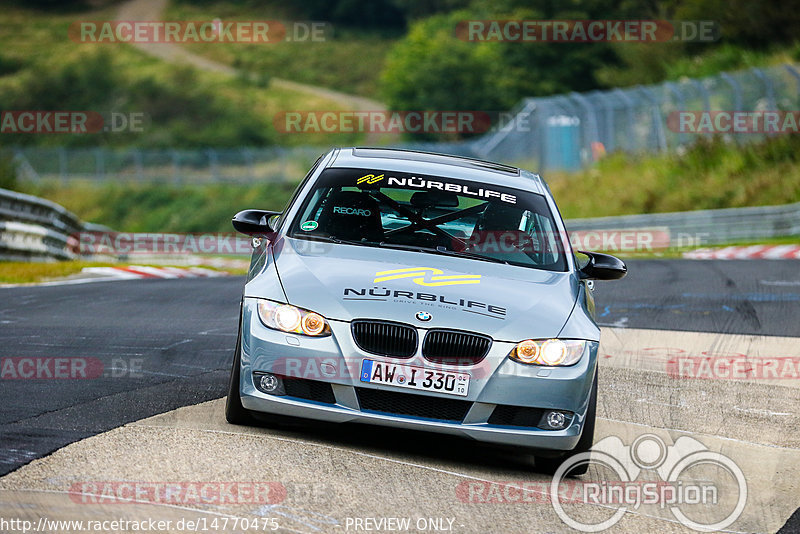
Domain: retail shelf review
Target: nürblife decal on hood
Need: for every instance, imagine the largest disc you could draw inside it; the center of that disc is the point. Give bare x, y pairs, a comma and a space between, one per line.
450, 301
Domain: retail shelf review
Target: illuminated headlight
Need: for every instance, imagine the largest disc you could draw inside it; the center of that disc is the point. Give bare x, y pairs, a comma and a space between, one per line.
550, 352
288, 318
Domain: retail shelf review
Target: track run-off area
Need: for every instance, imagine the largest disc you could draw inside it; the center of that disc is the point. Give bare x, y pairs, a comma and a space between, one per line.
702, 352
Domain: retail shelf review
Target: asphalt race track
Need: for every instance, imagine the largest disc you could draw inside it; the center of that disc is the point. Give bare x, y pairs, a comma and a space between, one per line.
177, 334
154, 346
727, 297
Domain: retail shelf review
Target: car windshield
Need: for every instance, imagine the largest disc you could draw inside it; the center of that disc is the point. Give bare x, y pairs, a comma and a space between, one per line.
431, 214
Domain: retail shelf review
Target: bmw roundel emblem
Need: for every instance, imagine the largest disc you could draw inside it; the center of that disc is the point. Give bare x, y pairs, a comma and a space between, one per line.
424, 316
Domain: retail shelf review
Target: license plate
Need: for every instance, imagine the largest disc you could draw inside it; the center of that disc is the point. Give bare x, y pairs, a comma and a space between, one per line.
412, 377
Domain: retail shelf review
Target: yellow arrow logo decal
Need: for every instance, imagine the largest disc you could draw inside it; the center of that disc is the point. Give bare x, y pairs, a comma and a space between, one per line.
369, 179
427, 276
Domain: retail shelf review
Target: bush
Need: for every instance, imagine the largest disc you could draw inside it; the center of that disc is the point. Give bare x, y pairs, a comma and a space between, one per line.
8, 173
180, 109
433, 69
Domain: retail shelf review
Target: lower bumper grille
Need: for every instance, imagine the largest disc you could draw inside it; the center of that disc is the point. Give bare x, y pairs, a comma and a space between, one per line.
309, 390
516, 416
393, 403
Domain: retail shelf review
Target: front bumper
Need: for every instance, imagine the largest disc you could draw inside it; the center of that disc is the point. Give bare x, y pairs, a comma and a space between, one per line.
336, 360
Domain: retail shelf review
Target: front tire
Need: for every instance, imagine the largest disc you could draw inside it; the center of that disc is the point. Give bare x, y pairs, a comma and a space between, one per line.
235, 413
549, 465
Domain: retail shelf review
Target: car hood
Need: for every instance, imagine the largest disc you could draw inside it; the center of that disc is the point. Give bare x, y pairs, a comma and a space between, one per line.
346, 282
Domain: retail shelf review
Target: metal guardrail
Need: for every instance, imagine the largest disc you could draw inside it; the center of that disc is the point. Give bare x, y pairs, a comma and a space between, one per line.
705, 227
33, 228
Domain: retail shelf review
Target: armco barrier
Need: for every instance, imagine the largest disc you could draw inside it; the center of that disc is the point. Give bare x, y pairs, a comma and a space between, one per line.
32, 228
706, 227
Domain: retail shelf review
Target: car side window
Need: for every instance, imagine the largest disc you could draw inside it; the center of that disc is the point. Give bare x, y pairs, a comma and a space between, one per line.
300, 187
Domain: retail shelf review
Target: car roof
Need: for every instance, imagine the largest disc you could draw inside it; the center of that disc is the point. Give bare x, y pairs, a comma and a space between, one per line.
442, 165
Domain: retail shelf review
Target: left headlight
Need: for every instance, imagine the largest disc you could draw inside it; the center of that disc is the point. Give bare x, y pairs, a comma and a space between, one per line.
288, 318
549, 352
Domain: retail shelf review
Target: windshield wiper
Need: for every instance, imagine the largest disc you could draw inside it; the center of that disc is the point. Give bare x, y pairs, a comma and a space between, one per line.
333, 239
398, 246
442, 251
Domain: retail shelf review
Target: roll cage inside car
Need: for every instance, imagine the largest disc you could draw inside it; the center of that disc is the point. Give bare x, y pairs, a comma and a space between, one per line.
449, 243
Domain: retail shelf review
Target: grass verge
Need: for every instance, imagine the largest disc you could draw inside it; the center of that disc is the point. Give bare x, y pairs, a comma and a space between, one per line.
709, 175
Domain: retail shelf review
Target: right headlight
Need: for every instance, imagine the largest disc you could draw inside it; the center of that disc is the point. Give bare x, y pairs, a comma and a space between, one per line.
550, 352
288, 318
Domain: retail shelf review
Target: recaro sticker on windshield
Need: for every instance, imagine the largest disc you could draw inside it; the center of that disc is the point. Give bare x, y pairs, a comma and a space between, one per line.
424, 183
309, 226
344, 210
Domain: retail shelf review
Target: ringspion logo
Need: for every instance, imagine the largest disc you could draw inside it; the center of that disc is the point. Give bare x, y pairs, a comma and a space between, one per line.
419, 276
682, 478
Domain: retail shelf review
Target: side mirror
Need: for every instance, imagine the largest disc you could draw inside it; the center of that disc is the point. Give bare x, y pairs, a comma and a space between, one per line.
255, 222
603, 267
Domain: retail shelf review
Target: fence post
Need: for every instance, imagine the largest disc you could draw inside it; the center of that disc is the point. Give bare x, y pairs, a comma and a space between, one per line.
495, 138
628, 101
248, 158
100, 164
176, 167
767, 86
673, 88
706, 100
795, 75
62, 165
212, 164
655, 113
737, 98
137, 161
591, 135
737, 90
